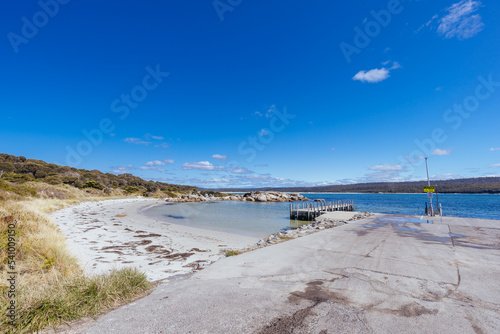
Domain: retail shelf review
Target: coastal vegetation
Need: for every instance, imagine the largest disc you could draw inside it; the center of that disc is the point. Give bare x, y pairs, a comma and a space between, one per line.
19, 170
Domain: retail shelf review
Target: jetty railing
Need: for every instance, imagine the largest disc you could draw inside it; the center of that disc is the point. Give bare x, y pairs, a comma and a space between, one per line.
311, 210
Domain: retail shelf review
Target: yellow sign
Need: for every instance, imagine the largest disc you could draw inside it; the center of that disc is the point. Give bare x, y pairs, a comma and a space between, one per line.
429, 190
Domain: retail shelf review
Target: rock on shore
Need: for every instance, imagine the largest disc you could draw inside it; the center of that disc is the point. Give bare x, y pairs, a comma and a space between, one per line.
255, 196
315, 226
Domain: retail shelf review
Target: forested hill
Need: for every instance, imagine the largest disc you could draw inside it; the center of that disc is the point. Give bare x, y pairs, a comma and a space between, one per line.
480, 185
20, 170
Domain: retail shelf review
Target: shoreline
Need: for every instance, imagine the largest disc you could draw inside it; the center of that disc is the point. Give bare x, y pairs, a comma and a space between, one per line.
113, 234
371, 193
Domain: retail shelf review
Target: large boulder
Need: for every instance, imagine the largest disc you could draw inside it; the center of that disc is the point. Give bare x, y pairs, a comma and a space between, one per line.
261, 198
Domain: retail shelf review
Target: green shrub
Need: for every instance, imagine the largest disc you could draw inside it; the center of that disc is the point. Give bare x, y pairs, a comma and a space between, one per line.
131, 189
171, 194
93, 184
18, 178
4, 185
53, 179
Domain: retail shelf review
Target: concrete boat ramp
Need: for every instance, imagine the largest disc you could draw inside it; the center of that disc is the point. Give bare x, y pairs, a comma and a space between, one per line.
383, 274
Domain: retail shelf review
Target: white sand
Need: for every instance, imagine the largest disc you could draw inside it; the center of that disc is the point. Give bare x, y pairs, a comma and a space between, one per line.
113, 234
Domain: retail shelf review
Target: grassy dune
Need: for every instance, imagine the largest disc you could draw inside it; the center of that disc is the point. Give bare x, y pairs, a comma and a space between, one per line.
50, 289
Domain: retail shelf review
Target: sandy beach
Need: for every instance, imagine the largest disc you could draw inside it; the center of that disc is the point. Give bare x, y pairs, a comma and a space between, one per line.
112, 234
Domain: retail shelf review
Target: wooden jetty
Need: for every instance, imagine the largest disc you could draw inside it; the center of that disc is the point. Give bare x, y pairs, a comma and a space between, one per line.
311, 210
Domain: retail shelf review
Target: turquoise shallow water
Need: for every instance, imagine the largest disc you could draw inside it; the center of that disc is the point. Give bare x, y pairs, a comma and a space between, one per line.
261, 219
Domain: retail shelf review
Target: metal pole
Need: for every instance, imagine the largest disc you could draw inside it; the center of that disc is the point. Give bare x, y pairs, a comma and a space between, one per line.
429, 184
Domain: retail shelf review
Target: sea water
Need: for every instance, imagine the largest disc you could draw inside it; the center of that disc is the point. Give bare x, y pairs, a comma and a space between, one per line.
261, 219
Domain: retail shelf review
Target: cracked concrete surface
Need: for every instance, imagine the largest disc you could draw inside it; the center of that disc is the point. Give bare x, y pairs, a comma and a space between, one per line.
384, 274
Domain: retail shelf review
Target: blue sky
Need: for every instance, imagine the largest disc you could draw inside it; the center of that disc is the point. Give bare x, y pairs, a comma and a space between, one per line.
254, 93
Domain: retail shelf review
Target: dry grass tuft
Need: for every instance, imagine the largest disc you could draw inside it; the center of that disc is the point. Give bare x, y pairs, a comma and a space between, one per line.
232, 252
49, 287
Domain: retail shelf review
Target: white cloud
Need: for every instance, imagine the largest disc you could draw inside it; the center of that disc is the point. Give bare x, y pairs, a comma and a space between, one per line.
377, 74
219, 157
372, 76
387, 167
495, 165
154, 163
461, 22
263, 132
202, 165
137, 141
439, 151
333, 149
495, 149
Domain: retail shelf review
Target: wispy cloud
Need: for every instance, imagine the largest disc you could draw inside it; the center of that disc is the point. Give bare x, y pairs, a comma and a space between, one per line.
269, 112
159, 162
377, 74
150, 136
461, 20
162, 145
428, 23
202, 165
223, 180
387, 167
121, 169
447, 176
495, 149
495, 165
439, 151
159, 169
263, 132
137, 141
382, 173
240, 170
219, 157
333, 149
